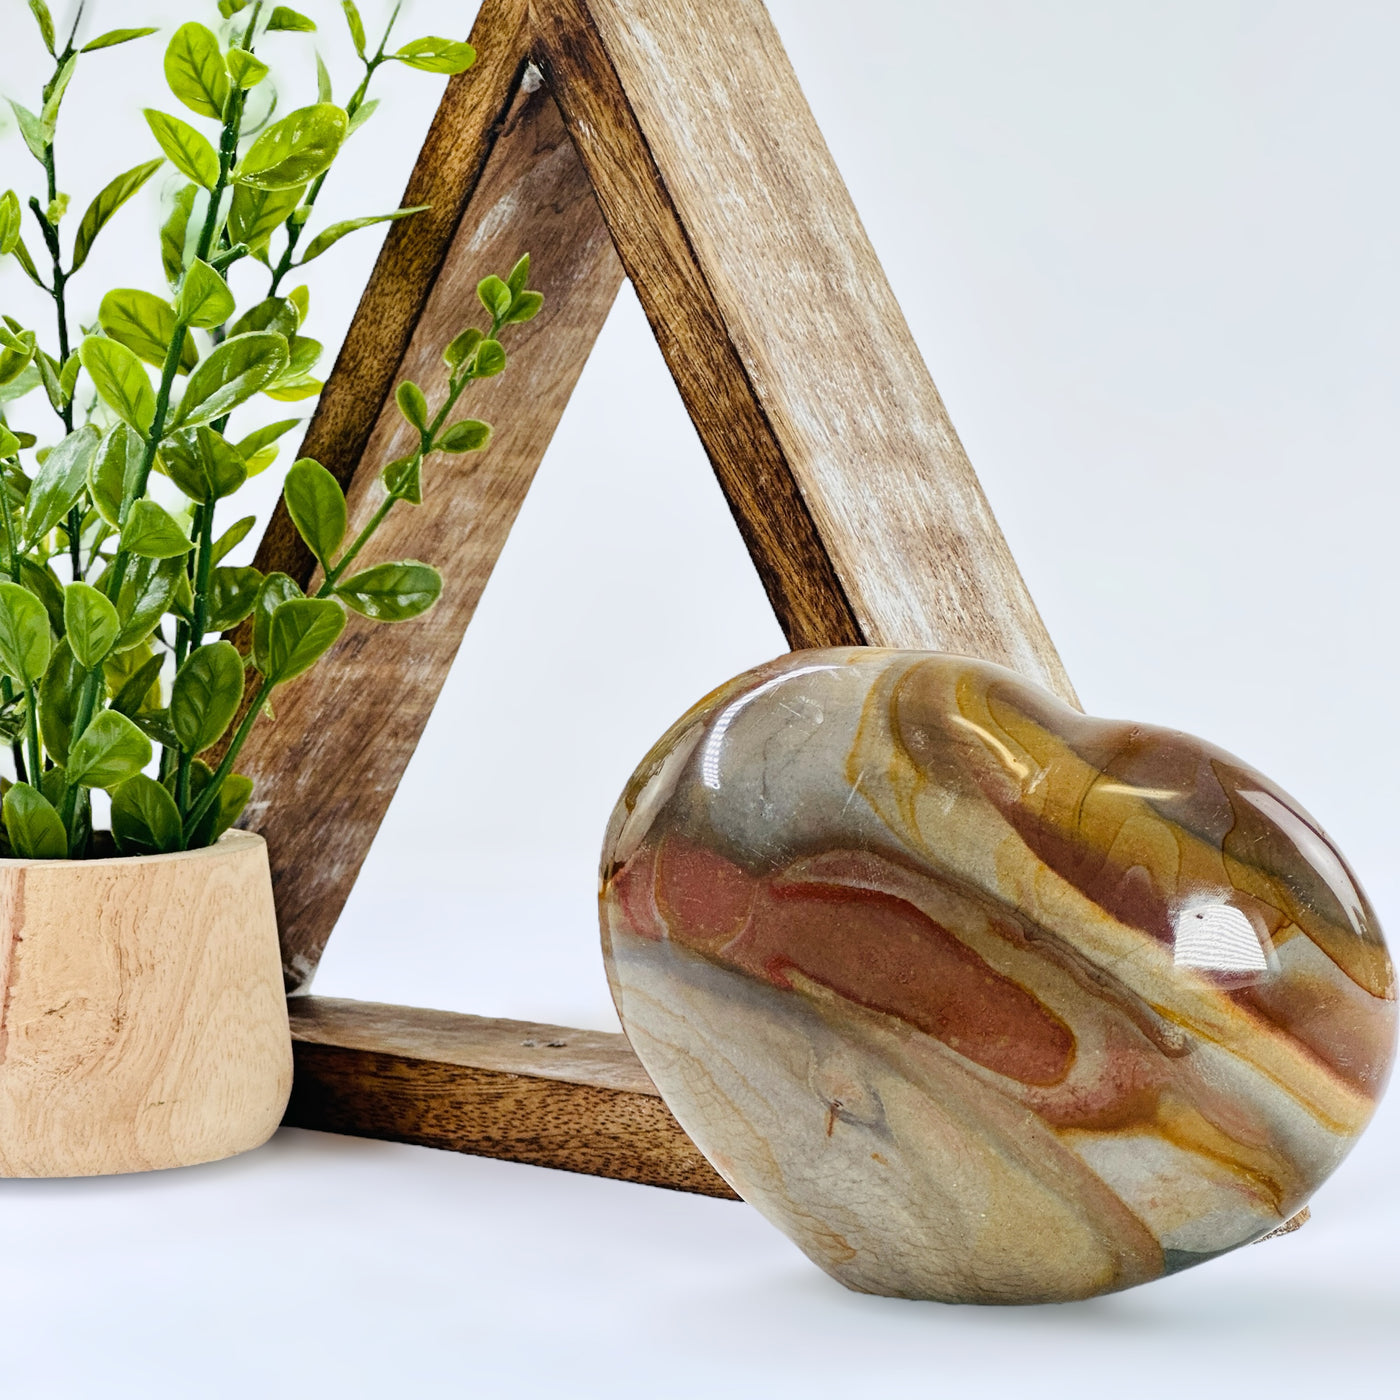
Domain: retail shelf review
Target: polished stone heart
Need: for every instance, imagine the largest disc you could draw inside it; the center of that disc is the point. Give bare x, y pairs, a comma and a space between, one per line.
980, 999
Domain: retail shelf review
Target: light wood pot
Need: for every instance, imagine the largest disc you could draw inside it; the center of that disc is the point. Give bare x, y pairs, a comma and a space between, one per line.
143, 1021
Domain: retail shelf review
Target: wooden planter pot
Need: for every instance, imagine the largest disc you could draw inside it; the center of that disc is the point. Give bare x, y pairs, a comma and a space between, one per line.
143, 1022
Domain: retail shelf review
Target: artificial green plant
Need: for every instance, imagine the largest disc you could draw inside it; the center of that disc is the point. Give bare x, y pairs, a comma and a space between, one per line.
110, 600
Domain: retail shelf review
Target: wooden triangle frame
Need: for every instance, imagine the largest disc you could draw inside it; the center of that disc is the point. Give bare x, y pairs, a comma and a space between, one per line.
668, 141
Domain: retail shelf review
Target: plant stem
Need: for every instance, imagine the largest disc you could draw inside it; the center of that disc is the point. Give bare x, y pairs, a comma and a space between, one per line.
361, 540
6, 689
426, 439
36, 762
210, 795
196, 634
293, 225
87, 705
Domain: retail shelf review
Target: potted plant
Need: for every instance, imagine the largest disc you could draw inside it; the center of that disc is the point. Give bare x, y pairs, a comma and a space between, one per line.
142, 1022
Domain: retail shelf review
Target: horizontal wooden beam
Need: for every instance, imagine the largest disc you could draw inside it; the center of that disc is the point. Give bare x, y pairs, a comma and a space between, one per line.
518, 1090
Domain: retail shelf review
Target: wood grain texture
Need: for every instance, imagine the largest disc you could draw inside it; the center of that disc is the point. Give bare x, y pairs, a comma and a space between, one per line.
142, 1023
575, 1100
839, 460
857, 503
344, 734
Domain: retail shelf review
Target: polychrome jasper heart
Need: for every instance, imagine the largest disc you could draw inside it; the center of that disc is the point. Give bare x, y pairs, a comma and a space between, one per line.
982, 1000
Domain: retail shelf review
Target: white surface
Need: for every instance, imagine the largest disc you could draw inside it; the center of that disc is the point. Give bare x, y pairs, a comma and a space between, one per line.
1148, 253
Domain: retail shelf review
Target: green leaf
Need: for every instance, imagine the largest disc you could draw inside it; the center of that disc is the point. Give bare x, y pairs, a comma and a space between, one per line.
53, 384
276, 589
25, 382
403, 478
68, 377
519, 276
205, 299
289, 21
194, 68
185, 148
392, 592
145, 819
495, 296
114, 36
90, 624
232, 593
34, 828
21, 255
262, 459
294, 390
357, 25
256, 214
272, 314
40, 579
107, 203
10, 220
145, 325
45, 19
58, 85
296, 149
207, 692
60, 693
470, 435
303, 352
435, 55
155, 725
203, 464
147, 591
119, 379
113, 471
336, 232
17, 354
490, 359
362, 114
323, 84
233, 797
131, 688
412, 404
525, 308
59, 482
172, 234
317, 507
152, 532
30, 129
25, 640
246, 70
257, 440
299, 635
232, 372
233, 537
107, 752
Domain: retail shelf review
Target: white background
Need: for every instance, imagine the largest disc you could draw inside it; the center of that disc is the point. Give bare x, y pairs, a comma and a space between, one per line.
1148, 254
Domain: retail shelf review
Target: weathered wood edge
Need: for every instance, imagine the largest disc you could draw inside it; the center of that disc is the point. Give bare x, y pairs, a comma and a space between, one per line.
345, 733
519, 1091
792, 561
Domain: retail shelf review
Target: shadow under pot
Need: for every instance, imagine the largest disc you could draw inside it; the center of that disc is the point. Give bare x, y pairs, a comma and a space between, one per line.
143, 1022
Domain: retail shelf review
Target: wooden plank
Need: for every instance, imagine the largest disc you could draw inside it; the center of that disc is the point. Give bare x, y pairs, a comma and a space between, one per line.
862, 514
576, 1100
840, 463
326, 769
